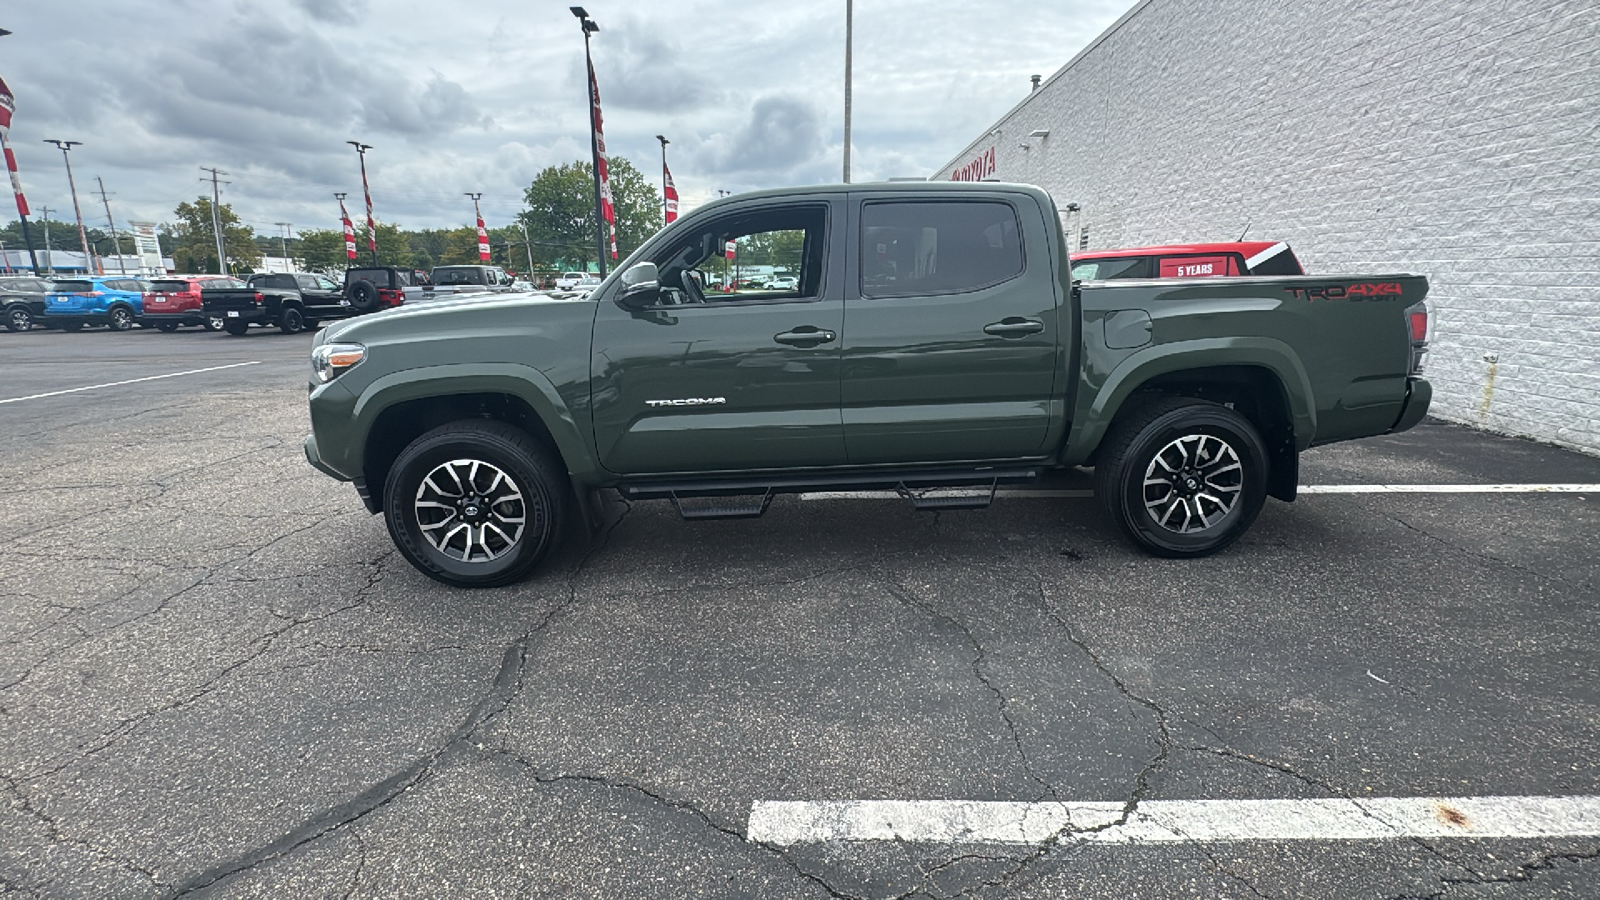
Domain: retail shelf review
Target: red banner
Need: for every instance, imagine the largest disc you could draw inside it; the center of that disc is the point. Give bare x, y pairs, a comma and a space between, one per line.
483, 242
8, 104
349, 232
670, 192
607, 211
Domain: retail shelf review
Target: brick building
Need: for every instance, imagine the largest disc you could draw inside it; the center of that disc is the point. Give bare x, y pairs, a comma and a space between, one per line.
1460, 140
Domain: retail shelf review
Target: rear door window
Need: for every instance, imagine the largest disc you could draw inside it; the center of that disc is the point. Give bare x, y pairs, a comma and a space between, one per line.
911, 248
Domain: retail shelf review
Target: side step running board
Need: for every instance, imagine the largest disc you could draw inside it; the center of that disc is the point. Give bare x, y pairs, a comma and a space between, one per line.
744, 497
743, 506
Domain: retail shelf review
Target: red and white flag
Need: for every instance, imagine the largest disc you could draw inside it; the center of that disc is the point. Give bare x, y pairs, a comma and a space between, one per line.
8, 104
730, 249
607, 211
483, 241
670, 192
349, 232
372, 224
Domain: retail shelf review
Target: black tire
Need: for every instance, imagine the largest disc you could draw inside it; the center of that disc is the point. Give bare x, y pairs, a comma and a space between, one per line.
120, 318
72, 326
1198, 444
531, 470
166, 327
212, 323
235, 327
291, 320
19, 318
363, 296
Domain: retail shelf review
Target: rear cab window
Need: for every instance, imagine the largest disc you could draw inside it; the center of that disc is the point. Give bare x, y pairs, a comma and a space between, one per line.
912, 247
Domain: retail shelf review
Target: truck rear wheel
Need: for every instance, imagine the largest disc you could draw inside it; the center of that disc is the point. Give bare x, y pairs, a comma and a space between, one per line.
291, 320
1183, 477
475, 503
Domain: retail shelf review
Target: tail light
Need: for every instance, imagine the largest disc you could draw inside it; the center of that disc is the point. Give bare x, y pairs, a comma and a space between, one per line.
1417, 331
259, 298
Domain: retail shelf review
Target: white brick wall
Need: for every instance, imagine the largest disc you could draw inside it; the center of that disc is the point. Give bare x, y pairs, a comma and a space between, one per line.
1455, 138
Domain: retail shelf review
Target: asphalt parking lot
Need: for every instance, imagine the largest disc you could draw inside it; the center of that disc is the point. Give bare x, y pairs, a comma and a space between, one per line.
217, 677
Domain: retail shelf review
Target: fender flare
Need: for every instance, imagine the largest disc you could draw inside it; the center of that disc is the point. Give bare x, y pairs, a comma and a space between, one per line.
524, 382
1091, 422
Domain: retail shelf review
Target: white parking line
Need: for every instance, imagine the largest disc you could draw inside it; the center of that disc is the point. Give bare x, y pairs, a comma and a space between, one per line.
1304, 489
94, 387
785, 822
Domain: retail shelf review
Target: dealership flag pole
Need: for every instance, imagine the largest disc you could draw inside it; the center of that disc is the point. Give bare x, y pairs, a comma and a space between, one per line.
8, 104
372, 224
349, 230
483, 233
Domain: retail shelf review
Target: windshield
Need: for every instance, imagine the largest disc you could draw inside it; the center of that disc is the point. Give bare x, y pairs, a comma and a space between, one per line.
75, 287
171, 287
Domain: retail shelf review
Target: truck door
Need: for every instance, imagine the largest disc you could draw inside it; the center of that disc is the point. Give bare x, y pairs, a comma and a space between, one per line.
951, 329
712, 380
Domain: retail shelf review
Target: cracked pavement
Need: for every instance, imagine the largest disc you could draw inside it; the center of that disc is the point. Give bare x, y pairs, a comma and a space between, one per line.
218, 679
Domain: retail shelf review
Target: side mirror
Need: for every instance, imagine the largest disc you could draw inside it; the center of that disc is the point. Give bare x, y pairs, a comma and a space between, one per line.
640, 286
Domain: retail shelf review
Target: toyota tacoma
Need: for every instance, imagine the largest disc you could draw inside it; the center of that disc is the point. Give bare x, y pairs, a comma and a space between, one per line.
934, 337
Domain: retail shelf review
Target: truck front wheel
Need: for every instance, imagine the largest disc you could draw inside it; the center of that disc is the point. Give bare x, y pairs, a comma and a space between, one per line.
1183, 477
475, 503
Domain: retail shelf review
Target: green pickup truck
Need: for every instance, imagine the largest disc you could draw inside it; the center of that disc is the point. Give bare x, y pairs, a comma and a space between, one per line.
933, 339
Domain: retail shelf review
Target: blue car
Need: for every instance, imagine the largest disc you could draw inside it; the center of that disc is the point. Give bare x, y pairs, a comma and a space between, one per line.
116, 302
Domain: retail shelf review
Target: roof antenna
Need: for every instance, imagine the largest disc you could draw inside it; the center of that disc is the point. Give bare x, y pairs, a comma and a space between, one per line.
1244, 232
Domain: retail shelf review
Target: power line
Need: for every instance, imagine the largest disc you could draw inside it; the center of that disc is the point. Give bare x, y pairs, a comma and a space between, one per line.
116, 241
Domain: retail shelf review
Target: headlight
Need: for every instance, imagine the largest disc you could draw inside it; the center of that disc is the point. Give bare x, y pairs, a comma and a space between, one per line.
329, 361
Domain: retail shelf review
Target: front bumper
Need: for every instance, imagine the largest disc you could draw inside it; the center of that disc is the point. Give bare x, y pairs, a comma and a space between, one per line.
1419, 394
314, 457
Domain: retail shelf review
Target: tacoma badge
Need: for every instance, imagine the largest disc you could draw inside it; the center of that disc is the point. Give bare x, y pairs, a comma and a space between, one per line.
688, 401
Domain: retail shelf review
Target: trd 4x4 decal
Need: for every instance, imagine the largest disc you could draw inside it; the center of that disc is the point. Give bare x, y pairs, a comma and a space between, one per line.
1378, 290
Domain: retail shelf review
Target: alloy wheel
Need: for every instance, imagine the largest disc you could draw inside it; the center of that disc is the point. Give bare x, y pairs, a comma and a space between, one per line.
470, 510
1192, 483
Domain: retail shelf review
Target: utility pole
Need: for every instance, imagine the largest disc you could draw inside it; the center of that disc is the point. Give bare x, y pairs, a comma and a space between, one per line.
849, 17
283, 243
116, 241
216, 217
528, 246
48, 270
66, 153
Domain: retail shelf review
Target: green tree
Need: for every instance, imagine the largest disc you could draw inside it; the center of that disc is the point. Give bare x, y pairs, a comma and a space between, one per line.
194, 246
394, 246
561, 217
322, 250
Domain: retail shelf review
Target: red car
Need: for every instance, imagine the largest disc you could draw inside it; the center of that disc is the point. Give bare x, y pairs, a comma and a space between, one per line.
1188, 261
176, 301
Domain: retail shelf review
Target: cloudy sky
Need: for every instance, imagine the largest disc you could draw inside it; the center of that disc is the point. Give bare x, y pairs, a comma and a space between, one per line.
479, 96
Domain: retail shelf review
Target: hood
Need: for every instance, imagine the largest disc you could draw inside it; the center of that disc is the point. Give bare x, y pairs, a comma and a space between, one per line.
489, 316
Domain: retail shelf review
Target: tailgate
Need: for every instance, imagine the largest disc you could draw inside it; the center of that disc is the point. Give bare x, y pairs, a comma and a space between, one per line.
230, 299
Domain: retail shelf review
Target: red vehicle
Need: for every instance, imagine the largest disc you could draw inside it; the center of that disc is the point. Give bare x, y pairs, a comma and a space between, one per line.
1188, 261
176, 301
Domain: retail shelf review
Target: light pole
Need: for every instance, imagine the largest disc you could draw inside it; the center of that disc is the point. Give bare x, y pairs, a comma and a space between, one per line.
664, 142
372, 225
483, 236
849, 17
66, 154
528, 246
590, 27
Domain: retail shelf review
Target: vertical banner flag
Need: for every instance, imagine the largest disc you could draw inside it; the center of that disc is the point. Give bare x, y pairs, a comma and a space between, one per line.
372, 225
8, 104
349, 232
483, 242
670, 192
606, 209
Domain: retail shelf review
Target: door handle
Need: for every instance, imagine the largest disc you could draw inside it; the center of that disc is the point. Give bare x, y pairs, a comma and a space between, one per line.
804, 336
1014, 327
